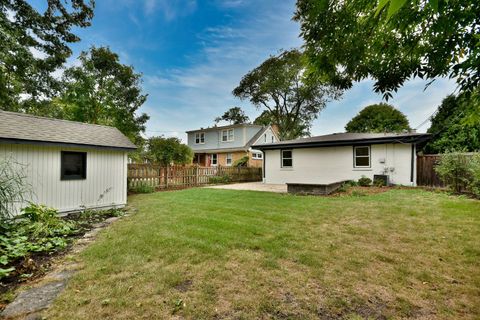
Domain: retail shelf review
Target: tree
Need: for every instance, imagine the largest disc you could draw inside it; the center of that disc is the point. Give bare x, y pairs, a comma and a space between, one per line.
264, 119
167, 151
234, 115
455, 126
33, 45
380, 117
354, 40
278, 86
103, 91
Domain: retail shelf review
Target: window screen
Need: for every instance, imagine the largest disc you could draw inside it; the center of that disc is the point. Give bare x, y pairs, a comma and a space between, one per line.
361, 157
74, 165
287, 160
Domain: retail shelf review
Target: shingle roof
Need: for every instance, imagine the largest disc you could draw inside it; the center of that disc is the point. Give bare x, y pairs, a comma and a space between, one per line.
230, 126
19, 127
337, 139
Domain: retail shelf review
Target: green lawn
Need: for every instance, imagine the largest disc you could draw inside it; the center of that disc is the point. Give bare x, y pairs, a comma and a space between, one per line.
216, 254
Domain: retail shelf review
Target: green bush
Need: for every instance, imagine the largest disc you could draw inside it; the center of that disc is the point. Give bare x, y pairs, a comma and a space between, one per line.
475, 170
379, 183
364, 181
220, 179
456, 170
242, 162
142, 187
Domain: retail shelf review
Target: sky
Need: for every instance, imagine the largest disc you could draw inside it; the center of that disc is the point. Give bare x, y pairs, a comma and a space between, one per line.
193, 53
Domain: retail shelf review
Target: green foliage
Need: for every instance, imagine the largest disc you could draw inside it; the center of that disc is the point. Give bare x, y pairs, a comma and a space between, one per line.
475, 167
142, 187
13, 186
35, 44
351, 40
380, 117
457, 170
279, 87
242, 162
103, 91
364, 181
358, 193
379, 183
220, 179
456, 125
167, 151
234, 115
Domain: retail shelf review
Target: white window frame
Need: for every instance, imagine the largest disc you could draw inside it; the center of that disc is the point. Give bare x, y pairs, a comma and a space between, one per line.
369, 156
257, 155
283, 158
200, 138
229, 137
229, 159
214, 156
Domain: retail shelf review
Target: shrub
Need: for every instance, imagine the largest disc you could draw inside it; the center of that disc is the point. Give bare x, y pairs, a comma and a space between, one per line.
219, 179
364, 181
455, 169
13, 186
242, 162
475, 167
379, 183
142, 187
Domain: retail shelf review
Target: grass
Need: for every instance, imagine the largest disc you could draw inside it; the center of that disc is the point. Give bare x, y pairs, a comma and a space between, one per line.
215, 254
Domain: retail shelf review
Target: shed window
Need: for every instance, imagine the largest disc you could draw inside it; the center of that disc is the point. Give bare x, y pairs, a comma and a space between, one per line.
73, 165
287, 159
361, 157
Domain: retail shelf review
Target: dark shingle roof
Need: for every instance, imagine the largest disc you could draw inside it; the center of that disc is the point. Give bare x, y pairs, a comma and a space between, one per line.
339, 139
19, 127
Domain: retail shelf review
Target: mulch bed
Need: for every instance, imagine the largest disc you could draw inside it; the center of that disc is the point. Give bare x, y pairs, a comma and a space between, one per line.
37, 264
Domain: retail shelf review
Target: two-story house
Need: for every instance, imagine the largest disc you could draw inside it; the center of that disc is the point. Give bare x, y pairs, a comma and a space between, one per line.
222, 146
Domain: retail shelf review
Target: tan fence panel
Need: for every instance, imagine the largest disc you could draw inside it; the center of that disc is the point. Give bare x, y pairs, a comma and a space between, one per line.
174, 177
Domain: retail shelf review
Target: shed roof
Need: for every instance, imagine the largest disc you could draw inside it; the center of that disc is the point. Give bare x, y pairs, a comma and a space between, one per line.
343, 139
23, 128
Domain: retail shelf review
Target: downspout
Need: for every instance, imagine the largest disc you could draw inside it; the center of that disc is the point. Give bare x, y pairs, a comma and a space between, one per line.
264, 165
412, 168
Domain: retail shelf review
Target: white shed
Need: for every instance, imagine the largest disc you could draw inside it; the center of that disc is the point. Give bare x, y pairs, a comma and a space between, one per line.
68, 165
342, 156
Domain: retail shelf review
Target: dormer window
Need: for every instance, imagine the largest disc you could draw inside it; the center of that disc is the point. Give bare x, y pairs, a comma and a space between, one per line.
200, 137
227, 135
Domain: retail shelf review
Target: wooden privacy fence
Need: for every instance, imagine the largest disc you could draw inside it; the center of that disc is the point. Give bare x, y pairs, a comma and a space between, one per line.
172, 177
426, 174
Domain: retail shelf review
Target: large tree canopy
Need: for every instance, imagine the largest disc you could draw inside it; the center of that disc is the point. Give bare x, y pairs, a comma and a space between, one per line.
380, 117
234, 115
167, 151
278, 86
33, 45
101, 90
352, 40
453, 126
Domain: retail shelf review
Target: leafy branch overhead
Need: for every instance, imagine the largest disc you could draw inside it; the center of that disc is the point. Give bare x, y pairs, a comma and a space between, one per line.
234, 115
279, 87
353, 40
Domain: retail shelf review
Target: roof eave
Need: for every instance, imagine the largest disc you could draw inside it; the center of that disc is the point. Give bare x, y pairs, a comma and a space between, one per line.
314, 144
63, 144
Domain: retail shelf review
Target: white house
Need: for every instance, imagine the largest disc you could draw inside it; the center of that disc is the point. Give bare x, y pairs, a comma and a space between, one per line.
68, 165
342, 156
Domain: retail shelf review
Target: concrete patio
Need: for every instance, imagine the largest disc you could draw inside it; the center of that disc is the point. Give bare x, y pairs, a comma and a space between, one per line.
253, 186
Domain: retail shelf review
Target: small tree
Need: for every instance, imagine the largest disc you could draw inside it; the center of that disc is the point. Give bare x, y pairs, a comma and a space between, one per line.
234, 115
380, 117
167, 151
13, 186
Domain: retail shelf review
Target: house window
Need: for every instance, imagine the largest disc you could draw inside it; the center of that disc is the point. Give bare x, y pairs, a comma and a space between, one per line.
361, 157
73, 165
257, 155
265, 138
200, 137
214, 159
227, 135
273, 139
229, 159
287, 159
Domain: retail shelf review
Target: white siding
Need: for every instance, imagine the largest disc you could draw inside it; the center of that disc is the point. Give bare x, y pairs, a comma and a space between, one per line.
105, 185
330, 164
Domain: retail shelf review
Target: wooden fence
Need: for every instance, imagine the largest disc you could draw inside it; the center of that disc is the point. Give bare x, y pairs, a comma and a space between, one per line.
173, 177
426, 174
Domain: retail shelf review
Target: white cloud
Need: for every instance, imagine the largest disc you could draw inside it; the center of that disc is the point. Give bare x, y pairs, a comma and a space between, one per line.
171, 9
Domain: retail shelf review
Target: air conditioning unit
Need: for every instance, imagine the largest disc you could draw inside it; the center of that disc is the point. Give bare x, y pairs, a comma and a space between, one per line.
382, 177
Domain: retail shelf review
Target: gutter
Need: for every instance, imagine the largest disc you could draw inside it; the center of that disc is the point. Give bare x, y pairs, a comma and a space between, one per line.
64, 144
